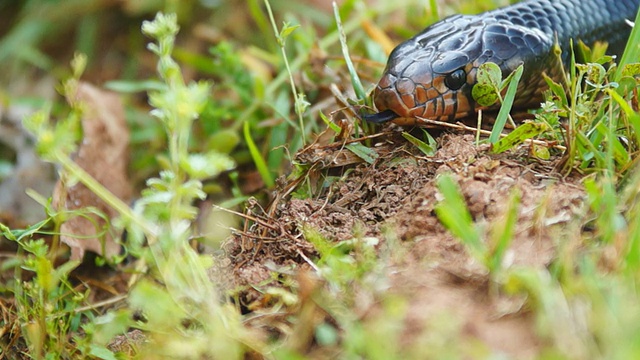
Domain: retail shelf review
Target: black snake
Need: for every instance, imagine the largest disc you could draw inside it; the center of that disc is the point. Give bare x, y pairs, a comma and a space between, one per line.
431, 75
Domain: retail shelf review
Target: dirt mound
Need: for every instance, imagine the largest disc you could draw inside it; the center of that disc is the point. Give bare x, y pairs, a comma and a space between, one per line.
396, 194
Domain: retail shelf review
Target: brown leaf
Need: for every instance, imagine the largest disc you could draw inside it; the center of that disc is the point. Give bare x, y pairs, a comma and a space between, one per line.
103, 154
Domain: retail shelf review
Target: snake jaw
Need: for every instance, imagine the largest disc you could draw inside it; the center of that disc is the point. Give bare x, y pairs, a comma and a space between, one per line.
415, 94
403, 95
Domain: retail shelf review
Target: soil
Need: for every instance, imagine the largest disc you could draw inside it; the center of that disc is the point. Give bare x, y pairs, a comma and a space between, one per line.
392, 200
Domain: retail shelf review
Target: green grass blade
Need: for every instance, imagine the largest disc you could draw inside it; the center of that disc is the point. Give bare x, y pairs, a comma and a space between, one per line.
454, 215
433, 6
503, 114
333, 126
503, 232
258, 160
634, 117
355, 79
629, 196
632, 51
278, 136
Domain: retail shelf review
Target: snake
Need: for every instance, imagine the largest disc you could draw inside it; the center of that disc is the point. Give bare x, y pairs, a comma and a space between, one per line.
431, 75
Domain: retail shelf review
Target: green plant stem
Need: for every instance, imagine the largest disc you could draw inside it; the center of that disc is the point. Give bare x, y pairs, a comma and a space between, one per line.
323, 43
173, 151
294, 90
572, 124
179, 139
103, 193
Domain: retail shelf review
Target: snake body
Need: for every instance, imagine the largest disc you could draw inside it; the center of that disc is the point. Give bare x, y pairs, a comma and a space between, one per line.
431, 75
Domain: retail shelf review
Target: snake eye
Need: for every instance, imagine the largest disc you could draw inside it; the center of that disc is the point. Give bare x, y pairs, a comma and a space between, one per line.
456, 79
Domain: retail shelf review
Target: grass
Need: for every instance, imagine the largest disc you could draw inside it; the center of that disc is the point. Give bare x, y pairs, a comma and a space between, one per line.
585, 305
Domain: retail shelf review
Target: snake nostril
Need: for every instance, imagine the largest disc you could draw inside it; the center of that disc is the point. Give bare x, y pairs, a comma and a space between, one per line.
387, 81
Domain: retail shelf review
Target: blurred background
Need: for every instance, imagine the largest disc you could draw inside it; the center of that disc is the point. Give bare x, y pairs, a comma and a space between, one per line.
230, 43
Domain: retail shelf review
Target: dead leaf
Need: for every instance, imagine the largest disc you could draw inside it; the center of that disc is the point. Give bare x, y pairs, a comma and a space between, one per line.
103, 154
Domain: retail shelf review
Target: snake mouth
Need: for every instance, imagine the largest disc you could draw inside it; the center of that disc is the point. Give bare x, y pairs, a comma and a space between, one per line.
381, 117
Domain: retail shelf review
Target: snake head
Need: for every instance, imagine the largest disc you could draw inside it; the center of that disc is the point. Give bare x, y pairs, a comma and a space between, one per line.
431, 75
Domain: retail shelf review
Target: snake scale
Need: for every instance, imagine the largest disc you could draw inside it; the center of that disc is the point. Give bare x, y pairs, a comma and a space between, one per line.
431, 75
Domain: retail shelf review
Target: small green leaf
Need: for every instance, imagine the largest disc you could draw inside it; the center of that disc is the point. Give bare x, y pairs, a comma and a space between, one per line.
541, 152
620, 154
367, 154
632, 115
518, 136
335, 127
111, 324
7, 233
46, 276
488, 82
287, 29
631, 70
164, 25
102, 352
427, 149
626, 84
489, 73
286, 296
62, 271
595, 73
78, 65
127, 86
556, 89
594, 53
301, 105
202, 166
484, 95
224, 141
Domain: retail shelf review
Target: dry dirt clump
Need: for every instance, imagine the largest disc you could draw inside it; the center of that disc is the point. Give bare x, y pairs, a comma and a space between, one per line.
398, 191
